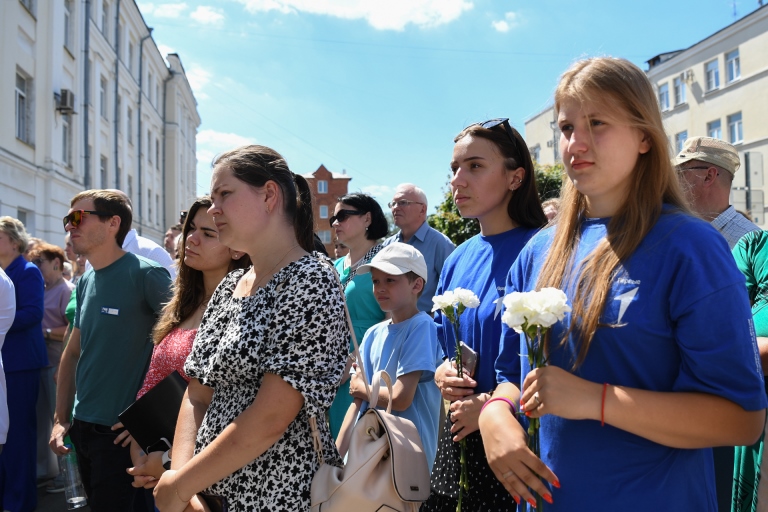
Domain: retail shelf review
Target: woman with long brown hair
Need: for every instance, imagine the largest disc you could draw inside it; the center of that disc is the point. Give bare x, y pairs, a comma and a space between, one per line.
203, 263
657, 361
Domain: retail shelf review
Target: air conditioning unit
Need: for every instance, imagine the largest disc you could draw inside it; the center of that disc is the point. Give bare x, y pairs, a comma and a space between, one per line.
67, 102
550, 143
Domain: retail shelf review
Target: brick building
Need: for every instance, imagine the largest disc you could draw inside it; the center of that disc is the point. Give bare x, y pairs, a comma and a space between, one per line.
326, 188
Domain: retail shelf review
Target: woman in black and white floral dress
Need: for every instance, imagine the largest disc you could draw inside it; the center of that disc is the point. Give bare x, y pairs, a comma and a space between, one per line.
269, 352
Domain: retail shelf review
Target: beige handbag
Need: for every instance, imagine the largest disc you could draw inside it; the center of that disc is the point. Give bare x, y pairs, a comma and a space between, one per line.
386, 467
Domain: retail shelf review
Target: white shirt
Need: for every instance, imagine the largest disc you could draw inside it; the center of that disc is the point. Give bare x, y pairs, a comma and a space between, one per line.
145, 247
7, 314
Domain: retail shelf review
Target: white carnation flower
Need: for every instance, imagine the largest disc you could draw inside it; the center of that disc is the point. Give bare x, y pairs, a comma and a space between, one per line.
466, 297
444, 301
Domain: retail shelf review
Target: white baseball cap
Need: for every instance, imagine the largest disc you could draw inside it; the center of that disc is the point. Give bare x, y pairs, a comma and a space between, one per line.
397, 259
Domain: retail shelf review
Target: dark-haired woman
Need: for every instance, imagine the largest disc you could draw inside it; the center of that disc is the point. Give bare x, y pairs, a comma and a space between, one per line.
492, 182
204, 262
269, 351
359, 223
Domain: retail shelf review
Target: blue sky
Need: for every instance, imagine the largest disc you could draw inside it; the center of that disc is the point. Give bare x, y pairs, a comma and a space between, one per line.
379, 88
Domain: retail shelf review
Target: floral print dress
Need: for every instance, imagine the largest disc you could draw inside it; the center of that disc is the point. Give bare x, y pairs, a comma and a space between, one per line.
293, 327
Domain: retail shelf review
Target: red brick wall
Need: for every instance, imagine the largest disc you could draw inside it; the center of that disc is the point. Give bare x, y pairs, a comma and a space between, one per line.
336, 189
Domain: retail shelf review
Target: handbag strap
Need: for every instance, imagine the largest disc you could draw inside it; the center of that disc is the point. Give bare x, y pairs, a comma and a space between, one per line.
316, 442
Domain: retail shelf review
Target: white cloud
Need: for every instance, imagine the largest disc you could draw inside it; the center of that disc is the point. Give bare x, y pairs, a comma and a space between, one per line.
380, 192
209, 144
504, 25
146, 8
381, 15
168, 10
207, 15
198, 78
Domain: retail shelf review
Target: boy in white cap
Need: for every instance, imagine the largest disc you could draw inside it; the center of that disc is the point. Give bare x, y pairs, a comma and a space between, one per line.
405, 346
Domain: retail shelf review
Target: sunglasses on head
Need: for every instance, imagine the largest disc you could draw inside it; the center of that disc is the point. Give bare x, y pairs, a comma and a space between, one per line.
344, 215
76, 217
504, 123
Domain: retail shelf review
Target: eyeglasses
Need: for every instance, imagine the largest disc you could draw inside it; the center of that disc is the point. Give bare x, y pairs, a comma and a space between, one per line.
504, 122
402, 203
76, 217
344, 215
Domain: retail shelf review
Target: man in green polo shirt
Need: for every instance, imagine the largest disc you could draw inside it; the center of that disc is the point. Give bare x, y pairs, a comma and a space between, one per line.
103, 365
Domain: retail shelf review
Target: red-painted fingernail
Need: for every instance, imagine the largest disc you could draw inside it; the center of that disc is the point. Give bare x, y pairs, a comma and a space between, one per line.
516, 498
556, 483
527, 413
548, 498
522, 407
532, 502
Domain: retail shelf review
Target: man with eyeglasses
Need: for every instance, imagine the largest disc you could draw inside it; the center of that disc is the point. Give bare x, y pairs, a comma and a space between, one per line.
706, 167
409, 210
103, 365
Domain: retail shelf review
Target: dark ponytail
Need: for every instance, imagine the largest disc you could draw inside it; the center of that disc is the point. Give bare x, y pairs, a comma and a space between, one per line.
304, 222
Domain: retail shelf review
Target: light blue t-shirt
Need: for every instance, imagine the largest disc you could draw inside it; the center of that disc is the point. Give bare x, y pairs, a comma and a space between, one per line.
682, 322
402, 348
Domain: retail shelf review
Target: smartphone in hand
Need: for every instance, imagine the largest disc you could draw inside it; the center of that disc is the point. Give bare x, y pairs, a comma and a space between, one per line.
468, 359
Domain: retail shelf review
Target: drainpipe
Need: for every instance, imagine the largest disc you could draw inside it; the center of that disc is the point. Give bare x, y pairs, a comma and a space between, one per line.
141, 94
117, 86
87, 96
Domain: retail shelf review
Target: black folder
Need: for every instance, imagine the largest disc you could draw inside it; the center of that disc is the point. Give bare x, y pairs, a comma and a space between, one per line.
151, 419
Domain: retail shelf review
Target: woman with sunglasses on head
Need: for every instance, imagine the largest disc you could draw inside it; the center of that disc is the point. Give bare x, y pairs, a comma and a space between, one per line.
24, 357
203, 263
359, 223
493, 182
657, 362
268, 354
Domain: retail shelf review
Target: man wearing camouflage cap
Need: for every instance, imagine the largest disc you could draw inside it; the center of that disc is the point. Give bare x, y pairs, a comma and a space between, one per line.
706, 167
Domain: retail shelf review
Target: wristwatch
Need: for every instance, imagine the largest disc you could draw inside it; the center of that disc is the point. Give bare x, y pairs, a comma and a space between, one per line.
166, 460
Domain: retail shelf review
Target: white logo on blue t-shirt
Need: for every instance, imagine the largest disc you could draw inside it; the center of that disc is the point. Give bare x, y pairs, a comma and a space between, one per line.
626, 299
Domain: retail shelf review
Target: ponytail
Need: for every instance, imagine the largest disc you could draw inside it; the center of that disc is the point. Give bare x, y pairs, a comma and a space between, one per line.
304, 221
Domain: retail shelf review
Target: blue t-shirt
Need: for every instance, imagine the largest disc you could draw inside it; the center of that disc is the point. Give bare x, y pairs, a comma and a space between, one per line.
683, 324
402, 348
480, 264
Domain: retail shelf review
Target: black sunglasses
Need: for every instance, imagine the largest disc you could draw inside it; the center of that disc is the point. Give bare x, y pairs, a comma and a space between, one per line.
344, 215
503, 122
76, 217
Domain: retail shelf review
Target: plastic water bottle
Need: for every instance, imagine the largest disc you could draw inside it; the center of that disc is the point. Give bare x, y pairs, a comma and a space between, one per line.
74, 490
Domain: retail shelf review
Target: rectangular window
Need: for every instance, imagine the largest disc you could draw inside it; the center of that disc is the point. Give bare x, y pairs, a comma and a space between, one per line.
679, 90
323, 211
119, 108
130, 57
157, 153
149, 87
68, 24
66, 139
22, 108
103, 171
714, 129
535, 153
149, 204
322, 187
149, 146
103, 97
664, 97
325, 236
157, 94
118, 176
129, 122
713, 75
735, 130
130, 187
105, 19
157, 208
732, 66
680, 139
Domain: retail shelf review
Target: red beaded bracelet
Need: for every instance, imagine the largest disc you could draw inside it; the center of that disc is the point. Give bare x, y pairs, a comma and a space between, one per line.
504, 398
602, 406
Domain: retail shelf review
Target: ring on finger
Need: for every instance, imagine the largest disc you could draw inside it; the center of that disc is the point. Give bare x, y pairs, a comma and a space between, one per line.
536, 397
508, 474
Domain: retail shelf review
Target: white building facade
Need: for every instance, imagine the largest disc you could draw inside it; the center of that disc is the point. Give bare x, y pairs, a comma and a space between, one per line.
94, 105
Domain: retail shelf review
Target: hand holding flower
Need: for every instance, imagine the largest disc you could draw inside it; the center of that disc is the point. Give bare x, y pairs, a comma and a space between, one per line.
451, 386
465, 413
560, 393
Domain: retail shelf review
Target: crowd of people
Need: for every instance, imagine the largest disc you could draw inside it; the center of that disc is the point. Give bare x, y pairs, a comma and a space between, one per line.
653, 394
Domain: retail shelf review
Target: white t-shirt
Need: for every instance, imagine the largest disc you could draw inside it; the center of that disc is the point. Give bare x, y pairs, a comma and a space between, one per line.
7, 314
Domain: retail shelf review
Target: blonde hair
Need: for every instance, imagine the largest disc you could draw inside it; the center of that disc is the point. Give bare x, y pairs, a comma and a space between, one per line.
625, 92
14, 228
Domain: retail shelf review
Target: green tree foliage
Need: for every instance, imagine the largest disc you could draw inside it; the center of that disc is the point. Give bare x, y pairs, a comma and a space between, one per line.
448, 220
